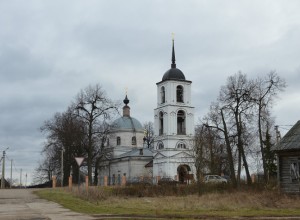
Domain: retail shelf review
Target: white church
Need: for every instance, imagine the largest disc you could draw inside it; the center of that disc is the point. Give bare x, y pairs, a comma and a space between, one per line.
128, 158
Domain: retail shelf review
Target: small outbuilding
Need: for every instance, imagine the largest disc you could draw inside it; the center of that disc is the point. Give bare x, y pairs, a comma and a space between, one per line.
288, 158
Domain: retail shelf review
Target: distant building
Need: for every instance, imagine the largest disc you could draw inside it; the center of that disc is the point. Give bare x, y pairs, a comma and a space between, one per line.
288, 154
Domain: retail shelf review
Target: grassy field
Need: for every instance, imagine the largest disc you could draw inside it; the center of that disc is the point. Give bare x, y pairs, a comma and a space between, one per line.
181, 204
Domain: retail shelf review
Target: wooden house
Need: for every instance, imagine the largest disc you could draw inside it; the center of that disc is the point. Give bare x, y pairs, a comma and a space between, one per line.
288, 158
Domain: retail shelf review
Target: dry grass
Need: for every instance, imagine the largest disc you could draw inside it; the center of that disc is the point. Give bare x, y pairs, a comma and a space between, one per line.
212, 201
224, 202
187, 197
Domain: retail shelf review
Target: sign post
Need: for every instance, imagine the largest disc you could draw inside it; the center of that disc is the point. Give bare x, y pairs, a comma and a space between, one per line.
79, 161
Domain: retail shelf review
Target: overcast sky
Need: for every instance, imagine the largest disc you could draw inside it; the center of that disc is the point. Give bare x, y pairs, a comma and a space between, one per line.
50, 50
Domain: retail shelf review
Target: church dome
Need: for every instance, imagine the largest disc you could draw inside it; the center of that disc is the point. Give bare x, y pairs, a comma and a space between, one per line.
127, 123
173, 73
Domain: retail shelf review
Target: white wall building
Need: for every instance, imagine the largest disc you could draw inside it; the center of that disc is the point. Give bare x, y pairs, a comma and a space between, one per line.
174, 126
172, 153
126, 154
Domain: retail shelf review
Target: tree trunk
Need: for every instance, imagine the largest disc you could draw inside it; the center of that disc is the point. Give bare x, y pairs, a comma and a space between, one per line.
229, 153
241, 147
239, 167
90, 153
261, 143
96, 171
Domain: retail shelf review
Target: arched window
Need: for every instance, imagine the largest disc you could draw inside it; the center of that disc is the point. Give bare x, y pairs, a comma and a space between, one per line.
181, 145
160, 145
181, 122
163, 94
179, 94
133, 140
161, 123
118, 141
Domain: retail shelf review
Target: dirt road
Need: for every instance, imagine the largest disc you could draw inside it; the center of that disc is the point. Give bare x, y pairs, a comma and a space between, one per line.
17, 204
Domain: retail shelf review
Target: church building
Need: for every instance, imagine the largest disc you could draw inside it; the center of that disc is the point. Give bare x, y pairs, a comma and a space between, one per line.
128, 157
174, 126
125, 154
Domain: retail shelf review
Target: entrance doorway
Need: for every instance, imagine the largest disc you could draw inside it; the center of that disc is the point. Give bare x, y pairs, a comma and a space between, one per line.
183, 173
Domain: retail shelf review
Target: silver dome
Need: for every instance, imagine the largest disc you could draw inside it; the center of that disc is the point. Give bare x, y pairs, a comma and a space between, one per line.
127, 123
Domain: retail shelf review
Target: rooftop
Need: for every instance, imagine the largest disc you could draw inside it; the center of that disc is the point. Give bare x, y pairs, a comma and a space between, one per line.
291, 141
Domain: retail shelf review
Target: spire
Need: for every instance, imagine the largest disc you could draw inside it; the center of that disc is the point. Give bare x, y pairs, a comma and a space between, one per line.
173, 65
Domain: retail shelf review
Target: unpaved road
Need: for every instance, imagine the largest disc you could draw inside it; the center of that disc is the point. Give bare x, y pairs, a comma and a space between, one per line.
22, 204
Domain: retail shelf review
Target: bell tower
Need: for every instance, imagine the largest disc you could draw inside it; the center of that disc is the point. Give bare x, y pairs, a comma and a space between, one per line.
174, 126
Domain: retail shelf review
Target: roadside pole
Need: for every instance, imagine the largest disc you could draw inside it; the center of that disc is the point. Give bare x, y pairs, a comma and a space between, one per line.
3, 171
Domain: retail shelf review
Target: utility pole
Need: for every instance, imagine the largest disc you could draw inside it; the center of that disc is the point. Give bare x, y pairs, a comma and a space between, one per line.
11, 162
3, 170
278, 136
21, 178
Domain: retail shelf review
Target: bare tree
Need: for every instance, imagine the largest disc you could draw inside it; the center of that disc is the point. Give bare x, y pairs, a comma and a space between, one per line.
216, 119
94, 108
241, 105
211, 152
266, 90
65, 132
235, 96
149, 134
45, 170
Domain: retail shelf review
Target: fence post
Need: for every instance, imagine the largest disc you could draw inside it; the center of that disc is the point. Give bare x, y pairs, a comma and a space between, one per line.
70, 182
157, 179
123, 181
105, 181
87, 183
53, 181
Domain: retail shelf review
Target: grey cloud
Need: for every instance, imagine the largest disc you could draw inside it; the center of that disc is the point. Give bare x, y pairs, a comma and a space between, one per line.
18, 64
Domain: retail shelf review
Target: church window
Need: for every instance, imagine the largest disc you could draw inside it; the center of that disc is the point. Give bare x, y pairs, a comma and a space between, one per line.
181, 145
161, 123
181, 123
163, 94
179, 94
160, 145
133, 140
118, 141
